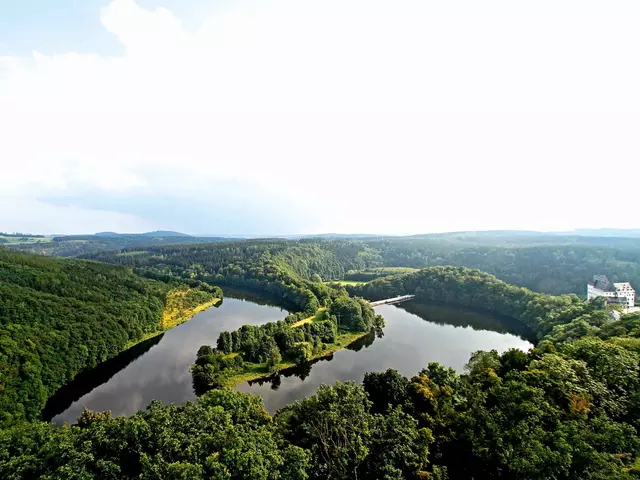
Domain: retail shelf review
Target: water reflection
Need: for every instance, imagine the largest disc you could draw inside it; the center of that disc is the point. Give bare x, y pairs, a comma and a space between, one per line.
299, 371
258, 297
443, 314
86, 381
365, 341
303, 371
157, 370
414, 335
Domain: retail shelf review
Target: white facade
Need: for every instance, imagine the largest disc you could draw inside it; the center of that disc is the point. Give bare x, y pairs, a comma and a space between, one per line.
622, 292
626, 290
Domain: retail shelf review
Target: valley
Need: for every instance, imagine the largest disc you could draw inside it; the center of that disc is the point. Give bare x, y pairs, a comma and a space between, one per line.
187, 330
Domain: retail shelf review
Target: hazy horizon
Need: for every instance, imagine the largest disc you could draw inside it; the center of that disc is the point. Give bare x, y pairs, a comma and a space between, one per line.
342, 116
604, 231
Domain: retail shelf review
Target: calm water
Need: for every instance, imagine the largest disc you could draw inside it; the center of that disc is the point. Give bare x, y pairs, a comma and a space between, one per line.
415, 334
159, 368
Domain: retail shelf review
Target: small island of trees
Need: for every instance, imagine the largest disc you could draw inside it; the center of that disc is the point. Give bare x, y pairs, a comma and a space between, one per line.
256, 351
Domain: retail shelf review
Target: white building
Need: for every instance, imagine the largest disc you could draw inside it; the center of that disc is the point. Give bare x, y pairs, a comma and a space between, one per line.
620, 293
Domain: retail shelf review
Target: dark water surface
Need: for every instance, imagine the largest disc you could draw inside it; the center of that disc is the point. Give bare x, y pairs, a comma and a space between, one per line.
159, 368
415, 334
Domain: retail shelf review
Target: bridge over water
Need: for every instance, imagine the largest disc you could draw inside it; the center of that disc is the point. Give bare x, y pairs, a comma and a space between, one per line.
389, 301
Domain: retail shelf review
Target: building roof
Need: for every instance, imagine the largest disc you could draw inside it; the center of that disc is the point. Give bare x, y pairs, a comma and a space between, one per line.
602, 285
602, 282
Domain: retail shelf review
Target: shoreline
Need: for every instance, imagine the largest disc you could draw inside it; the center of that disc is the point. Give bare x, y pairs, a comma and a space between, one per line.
184, 318
259, 371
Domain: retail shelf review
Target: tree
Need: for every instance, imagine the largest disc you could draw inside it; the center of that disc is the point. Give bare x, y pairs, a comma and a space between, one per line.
301, 353
398, 449
388, 389
205, 351
274, 360
349, 311
513, 359
482, 362
225, 342
335, 425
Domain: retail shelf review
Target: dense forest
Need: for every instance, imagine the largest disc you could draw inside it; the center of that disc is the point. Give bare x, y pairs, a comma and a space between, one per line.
558, 268
61, 316
79, 245
478, 290
548, 264
550, 269
567, 409
289, 272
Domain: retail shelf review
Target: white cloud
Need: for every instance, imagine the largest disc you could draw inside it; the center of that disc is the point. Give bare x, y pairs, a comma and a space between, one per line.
430, 116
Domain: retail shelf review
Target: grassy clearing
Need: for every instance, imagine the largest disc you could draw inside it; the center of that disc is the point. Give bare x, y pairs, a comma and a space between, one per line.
181, 304
253, 371
358, 277
131, 254
392, 270
348, 282
310, 319
256, 371
188, 313
179, 307
22, 240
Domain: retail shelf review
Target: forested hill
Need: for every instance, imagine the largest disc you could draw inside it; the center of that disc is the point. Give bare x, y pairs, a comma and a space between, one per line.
555, 269
60, 316
475, 289
560, 268
548, 264
78, 245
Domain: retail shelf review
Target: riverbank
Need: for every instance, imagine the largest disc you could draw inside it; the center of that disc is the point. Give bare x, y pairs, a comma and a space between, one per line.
346, 283
155, 369
258, 371
266, 349
319, 315
176, 312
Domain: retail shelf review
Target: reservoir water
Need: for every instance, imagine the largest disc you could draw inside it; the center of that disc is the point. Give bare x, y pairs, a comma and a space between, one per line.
159, 368
415, 334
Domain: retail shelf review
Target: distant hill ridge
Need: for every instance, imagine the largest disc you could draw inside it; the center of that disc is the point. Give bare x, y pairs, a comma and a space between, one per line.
157, 233
165, 233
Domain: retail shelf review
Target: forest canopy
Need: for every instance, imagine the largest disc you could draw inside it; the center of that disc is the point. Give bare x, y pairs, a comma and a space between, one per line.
568, 411
551, 264
61, 316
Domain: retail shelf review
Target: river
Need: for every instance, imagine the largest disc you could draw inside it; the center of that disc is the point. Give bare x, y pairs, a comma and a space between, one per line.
415, 334
159, 368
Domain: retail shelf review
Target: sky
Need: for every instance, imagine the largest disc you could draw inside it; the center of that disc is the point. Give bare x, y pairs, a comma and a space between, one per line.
265, 117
